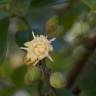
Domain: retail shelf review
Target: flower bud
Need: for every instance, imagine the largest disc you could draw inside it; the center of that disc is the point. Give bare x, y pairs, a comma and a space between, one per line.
51, 24
33, 74
57, 80
16, 59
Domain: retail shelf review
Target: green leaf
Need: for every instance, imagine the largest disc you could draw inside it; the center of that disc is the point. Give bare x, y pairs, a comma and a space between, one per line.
89, 3
25, 36
4, 24
71, 15
39, 3
63, 66
6, 69
7, 91
4, 1
20, 7
65, 92
87, 79
18, 76
93, 8
3, 9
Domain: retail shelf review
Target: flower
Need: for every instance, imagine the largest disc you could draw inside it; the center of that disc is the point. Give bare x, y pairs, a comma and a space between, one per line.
37, 49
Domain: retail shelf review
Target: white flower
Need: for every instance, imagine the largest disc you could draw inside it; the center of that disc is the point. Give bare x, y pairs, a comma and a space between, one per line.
38, 49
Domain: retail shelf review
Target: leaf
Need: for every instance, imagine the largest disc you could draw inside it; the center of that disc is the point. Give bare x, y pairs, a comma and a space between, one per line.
5, 69
3, 8
21, 25
71, 15
20, 7
89, 3
7, 91
63, 66
93, 8
87, 79
39, 3
4, 1
65, 92
4, 24
18, 76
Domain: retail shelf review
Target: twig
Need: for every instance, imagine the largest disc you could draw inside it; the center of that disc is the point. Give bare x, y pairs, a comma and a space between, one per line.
40, 87
81, 62
46, 73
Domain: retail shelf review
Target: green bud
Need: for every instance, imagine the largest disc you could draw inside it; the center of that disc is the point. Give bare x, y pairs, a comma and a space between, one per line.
51, 24
57, 80
33, 74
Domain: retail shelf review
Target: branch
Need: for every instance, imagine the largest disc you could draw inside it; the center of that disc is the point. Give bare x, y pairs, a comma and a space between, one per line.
81, 62
40, 87
46, 73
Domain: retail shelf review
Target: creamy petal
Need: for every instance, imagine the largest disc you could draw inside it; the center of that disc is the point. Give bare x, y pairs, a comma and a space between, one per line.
27, 44
24, 48
33, 34
51, 40
34, 64
50, 58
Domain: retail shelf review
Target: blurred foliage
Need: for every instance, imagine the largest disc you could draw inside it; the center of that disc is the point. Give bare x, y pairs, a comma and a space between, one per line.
19, 7
4, 24
38, 3
53, 27
64, 66
70, 25
87, 78
7, 91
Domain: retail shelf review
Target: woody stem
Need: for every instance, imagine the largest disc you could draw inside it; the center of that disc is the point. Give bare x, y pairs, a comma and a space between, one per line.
46, 73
